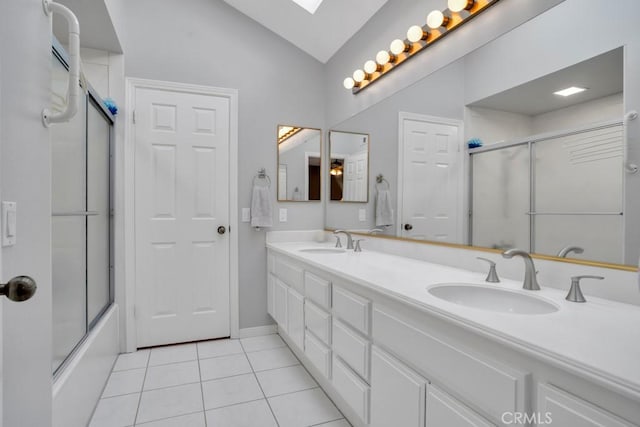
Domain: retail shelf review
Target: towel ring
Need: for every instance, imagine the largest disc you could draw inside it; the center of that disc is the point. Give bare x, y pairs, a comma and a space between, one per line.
262, 174
380, 179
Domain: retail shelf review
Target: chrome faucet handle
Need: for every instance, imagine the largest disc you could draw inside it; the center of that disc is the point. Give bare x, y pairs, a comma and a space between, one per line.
338, 242
358, 248
492, 276
575, 293
530, 282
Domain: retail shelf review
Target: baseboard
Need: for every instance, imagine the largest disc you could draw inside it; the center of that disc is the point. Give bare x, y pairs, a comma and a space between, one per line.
257, 331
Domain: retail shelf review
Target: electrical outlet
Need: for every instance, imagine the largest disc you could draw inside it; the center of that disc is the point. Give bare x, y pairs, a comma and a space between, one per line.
362, 214
283, 215
246, 214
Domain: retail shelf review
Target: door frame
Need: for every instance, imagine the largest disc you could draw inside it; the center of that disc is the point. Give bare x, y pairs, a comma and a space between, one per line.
402, 116
126, 208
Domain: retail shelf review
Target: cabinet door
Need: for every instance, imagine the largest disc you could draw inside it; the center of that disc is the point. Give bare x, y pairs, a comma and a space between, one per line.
280, 297
564, 409
295, 317
270, 291
444, 410
397, 393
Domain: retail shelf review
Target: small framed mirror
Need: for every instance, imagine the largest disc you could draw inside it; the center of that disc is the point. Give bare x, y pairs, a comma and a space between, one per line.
299, 163
348, 166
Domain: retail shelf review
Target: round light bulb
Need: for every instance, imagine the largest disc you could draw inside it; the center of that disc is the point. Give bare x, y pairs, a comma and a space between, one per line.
383, 57
416, 33
436, 19
460, 5
349, 83
370, 67
397, 47
359, 76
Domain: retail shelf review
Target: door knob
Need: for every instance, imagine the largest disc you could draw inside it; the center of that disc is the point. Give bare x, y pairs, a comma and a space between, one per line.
222, 229
408, 227
20, 288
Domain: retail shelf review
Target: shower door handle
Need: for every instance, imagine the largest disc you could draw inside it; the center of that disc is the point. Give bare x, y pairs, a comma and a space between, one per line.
18, 289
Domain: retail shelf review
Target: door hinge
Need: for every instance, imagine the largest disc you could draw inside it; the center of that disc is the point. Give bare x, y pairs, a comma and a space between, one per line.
133, 115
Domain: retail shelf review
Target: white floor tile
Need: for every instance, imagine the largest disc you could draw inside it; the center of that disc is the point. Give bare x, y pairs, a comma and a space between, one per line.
217, 348
117, 411
169, 402
137, 359
124, 382
339, 423
229, 391
192, 420
173, 354
272, 359
304, 408
224, 366
264, 342
251, 414
285, 380
172, 375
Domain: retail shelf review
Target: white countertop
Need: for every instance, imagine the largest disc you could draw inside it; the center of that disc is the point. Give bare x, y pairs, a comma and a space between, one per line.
599, 339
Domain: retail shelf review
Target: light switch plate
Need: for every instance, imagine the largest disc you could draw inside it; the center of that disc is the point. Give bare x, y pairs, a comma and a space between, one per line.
9, 223
283, 215
362, 214
246, 214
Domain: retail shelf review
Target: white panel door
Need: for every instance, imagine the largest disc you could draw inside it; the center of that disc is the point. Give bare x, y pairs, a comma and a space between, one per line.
182, 197
356, 169
430, 180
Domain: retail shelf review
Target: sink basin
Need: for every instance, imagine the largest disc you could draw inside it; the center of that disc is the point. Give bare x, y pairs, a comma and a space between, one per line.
492, 298
323, 250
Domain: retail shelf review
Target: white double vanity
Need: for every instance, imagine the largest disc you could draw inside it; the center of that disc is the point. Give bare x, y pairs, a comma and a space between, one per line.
394, 342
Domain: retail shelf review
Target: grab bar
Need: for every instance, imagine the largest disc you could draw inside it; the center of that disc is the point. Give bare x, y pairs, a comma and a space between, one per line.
629, 167
73, 97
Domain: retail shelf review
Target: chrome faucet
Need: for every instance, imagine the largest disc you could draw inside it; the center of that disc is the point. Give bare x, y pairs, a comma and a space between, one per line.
349, 238
568, 249
375, 231
530, 281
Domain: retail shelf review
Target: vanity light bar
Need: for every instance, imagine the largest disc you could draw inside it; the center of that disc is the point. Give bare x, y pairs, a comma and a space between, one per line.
438, 24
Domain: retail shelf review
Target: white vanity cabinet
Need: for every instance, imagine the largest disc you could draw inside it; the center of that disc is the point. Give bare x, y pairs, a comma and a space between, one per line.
295, 317
444, 410
280, 300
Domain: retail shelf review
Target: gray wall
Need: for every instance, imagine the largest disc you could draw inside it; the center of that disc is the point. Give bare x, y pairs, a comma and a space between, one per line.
209, 43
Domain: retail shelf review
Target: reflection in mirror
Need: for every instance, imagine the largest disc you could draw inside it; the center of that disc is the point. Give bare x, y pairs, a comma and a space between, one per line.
349, 166
299, 163
549, 177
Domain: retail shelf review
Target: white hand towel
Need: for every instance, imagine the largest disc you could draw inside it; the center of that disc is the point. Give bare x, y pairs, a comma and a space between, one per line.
261, 211
384, 211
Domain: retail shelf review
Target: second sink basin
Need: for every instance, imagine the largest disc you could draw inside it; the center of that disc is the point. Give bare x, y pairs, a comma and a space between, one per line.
323, 250
492, 298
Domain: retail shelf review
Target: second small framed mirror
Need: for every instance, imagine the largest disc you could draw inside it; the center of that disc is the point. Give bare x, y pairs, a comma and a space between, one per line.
348, 166
299, 163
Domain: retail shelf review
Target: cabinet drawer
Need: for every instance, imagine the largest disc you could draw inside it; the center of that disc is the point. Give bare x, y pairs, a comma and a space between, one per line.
289, 272
317, 289
444, 410
351, 347
351, 308
318, 353
458, 368
318, 321
295, 317
352, 389
565, 409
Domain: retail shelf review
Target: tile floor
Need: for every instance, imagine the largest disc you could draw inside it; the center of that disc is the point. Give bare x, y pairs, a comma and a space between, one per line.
251, 382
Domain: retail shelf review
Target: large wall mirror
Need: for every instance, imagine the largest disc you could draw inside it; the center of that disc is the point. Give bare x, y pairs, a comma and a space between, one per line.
549, 176
348, 166
299, 163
